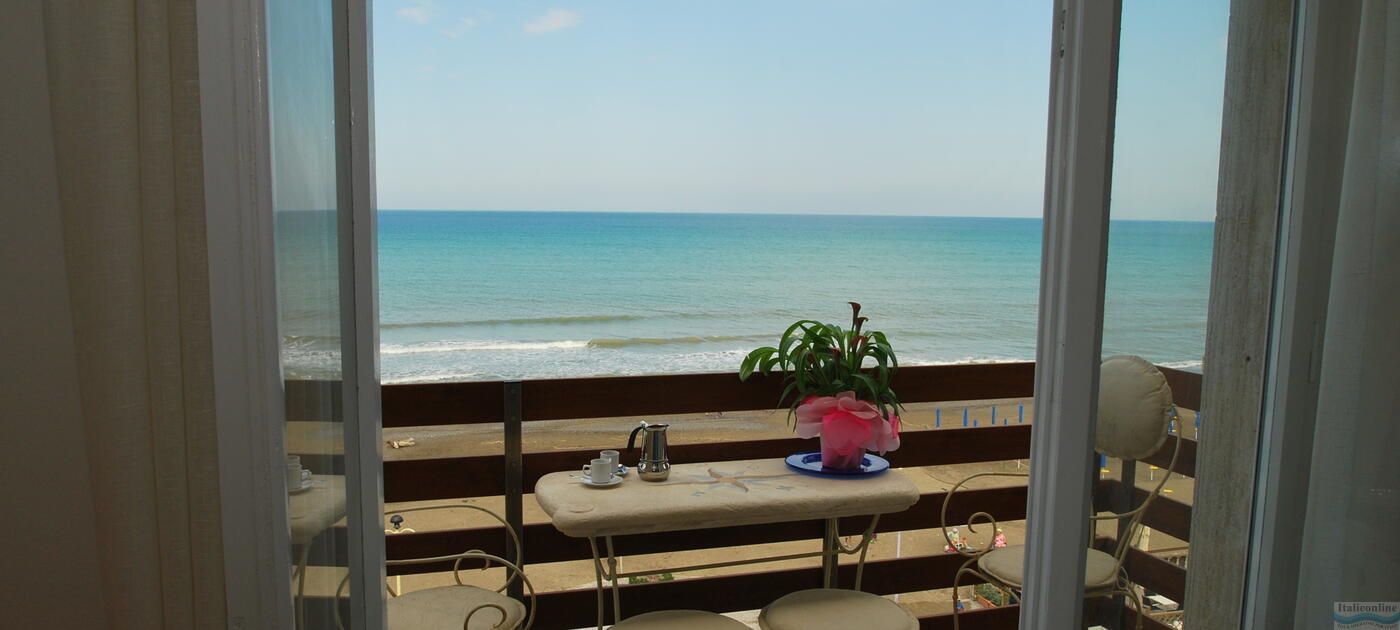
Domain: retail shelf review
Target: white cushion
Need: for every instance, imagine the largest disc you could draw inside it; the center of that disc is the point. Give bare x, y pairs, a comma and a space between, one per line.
446, 608
1007, 563
680, 620
1135, 408
835, 609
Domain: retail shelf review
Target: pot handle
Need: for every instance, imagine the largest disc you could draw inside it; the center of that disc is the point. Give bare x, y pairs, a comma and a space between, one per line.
632, 438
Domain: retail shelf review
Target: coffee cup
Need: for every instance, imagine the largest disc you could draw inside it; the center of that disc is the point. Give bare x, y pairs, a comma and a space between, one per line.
614, 457
600, 470
297, 477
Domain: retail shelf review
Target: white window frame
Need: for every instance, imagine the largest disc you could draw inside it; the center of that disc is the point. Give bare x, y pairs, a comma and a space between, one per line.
249, 392
359, 245
1079, 174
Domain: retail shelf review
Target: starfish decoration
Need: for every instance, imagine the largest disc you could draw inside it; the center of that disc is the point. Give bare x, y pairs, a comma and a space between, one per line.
736, 480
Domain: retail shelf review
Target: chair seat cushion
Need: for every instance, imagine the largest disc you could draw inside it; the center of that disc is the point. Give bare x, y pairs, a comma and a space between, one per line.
837, 609
680, 620
1006, 564
446, 608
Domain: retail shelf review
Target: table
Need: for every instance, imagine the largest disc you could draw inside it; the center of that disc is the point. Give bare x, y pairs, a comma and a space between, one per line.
309, 513
719, 494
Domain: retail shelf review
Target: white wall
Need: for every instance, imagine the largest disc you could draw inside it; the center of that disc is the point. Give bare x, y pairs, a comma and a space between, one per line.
49, 540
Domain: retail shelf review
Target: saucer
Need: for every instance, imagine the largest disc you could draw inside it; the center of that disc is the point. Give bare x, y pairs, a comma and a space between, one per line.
811, 463
622, 470
304, 487
606, 484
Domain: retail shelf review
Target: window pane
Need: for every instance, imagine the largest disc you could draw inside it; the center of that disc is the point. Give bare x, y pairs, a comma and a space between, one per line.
301, 94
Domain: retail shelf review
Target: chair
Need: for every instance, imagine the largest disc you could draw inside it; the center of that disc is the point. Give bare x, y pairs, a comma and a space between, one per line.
680, 620
835, 609
1136, 412
460, 606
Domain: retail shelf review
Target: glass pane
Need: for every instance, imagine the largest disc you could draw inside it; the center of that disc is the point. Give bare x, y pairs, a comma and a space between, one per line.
301, 100
1165, 162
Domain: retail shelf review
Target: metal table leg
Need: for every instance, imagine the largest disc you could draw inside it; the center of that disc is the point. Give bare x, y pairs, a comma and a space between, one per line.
598, 576
612, 573
830, 545
302, 559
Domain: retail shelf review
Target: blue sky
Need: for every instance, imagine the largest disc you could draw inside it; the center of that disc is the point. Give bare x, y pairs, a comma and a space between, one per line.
927, 107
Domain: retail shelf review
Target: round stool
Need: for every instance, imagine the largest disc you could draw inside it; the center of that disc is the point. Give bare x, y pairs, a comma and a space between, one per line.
680, 620
835, 609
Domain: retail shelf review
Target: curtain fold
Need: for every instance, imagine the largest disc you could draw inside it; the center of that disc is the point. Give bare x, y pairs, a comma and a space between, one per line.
127, 134
1351, 551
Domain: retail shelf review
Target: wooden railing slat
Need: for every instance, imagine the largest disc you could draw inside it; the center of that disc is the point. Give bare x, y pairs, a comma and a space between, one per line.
482, 475
1186, 387
1166, 514
620, 396
546, 544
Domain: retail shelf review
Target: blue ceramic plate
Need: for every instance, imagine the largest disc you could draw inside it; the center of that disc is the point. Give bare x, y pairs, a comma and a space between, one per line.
811, 463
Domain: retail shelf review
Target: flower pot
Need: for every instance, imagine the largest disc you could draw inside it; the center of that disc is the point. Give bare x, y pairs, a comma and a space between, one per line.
835, 460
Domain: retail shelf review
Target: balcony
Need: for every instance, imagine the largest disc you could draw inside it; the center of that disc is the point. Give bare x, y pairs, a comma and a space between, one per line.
503, 479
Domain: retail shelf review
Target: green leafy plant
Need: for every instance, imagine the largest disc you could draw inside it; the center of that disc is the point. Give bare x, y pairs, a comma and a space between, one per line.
992, 594
825, 359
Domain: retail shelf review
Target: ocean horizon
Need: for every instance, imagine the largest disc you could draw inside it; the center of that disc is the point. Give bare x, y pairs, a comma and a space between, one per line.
487, 295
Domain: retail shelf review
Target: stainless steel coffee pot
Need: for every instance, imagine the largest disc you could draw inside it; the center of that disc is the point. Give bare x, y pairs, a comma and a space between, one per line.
654, 464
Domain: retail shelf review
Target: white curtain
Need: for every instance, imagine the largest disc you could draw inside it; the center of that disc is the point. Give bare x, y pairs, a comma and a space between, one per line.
124, 102
1351, 549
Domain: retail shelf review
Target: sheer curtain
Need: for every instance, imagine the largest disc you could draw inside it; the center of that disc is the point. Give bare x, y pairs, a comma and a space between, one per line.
1351, 543
124, 104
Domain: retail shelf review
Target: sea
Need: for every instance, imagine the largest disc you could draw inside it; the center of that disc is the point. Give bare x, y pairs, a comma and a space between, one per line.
493, 295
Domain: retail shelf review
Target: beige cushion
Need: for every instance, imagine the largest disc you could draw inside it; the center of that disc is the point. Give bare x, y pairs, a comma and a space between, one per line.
835, 609
446, 607
1006, 564
1135, 408
680, 620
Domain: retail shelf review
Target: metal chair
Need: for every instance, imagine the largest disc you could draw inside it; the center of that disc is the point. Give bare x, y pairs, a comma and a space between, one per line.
680, 620
1136, 413
460, 606
835, 609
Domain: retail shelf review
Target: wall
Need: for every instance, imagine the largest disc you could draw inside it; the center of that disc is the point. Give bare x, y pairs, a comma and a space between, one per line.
50, 541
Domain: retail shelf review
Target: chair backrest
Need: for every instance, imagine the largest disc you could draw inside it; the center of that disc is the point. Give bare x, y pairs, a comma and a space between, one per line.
396, 523
1135, 408
1136, 411
391, 527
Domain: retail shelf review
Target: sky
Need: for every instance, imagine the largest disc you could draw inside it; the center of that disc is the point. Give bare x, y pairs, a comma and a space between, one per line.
932, 107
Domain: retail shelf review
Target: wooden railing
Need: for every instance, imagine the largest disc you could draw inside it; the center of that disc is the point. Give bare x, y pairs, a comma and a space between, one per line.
494, 475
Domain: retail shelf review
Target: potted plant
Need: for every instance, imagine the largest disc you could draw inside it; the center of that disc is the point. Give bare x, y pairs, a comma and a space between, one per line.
838, 382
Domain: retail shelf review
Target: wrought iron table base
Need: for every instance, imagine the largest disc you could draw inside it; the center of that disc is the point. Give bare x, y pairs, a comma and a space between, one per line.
832, 550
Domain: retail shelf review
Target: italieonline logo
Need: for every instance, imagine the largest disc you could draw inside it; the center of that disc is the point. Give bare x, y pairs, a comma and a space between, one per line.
1366, 615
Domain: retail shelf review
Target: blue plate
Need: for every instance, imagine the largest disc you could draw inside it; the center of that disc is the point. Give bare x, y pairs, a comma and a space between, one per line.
811, 463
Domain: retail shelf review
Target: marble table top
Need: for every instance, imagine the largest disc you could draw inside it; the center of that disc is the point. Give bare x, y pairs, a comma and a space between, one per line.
719, 494
315, 510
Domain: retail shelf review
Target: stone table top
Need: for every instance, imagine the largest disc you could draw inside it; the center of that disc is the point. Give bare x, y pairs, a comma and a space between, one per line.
720, 494
315, 510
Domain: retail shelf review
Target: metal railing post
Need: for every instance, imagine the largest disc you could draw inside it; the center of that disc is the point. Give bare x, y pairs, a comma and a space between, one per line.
515, 475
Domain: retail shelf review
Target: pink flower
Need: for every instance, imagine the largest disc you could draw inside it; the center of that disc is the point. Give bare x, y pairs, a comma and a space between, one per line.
885, 436
810, 413
847, 423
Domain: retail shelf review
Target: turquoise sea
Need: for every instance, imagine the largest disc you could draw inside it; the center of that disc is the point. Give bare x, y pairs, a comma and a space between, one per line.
491, 295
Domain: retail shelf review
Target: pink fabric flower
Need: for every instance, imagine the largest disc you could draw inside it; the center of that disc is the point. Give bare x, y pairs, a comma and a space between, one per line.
810, 413
847, 423
885, 436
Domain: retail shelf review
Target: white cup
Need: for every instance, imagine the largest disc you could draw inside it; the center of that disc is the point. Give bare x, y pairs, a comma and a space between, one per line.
612, 456
599, 470
296, 475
